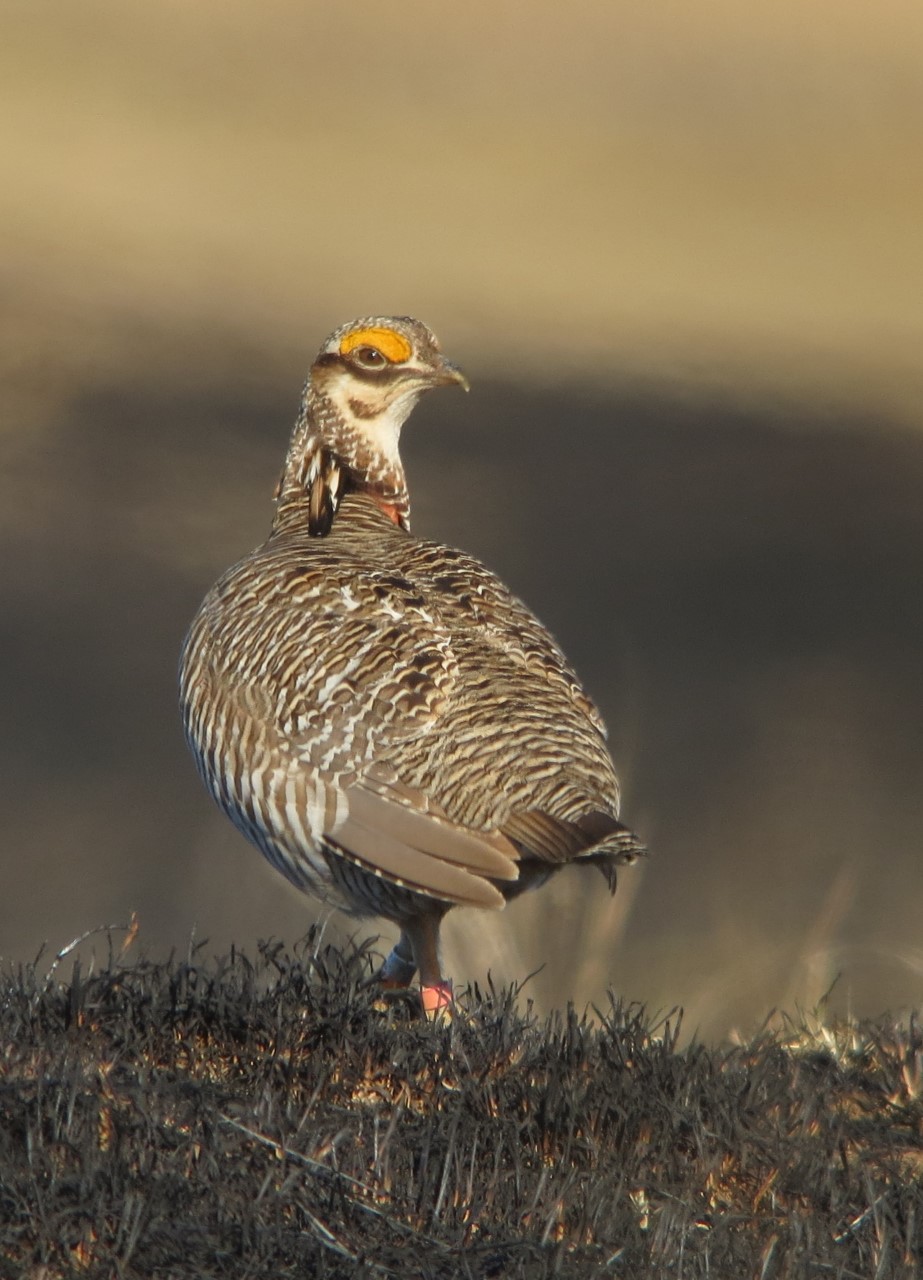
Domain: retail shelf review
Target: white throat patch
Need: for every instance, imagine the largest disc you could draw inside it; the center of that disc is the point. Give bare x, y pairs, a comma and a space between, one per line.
379, 434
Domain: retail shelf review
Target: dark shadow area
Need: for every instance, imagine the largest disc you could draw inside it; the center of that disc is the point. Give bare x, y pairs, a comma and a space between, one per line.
739, 587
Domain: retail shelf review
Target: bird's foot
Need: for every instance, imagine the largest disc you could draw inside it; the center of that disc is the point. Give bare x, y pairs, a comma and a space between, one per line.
438, 1000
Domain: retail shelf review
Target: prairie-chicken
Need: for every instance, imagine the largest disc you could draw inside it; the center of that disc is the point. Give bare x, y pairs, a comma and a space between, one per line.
378, 714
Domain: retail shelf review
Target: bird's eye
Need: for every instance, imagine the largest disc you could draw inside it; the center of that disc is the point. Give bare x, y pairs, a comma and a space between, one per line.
369, 358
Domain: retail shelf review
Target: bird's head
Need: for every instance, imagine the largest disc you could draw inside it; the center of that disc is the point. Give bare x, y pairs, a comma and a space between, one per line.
363, 385
376, 369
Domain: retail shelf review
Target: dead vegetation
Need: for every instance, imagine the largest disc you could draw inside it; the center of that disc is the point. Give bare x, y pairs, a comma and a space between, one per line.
253, 1119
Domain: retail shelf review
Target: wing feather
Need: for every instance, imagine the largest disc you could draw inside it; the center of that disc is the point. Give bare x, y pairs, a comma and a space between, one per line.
431, 835
385, 855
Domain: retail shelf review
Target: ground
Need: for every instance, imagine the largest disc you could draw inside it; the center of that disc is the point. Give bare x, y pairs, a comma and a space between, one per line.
273, 1117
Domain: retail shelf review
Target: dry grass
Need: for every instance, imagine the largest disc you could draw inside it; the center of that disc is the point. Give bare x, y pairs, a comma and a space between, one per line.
270, 1119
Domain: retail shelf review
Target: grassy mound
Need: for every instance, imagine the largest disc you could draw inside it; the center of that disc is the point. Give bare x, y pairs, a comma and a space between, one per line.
271, 1119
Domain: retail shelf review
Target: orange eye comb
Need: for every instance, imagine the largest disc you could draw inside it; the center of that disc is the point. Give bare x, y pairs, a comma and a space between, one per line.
393, 346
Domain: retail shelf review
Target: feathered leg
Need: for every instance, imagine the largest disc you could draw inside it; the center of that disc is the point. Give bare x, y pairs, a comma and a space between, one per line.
399, 967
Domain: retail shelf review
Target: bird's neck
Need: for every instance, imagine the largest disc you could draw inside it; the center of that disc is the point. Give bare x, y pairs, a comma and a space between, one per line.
332, 452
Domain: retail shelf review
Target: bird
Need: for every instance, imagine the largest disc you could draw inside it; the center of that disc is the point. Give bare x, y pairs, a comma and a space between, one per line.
377, 713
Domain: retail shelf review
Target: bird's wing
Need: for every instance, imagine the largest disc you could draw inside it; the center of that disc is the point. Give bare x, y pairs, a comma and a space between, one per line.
407, 841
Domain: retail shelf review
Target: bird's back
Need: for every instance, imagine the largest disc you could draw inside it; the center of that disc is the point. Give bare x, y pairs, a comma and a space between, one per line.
370, 656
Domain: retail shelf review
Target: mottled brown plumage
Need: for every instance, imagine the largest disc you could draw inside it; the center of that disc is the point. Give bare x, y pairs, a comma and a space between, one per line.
393, 729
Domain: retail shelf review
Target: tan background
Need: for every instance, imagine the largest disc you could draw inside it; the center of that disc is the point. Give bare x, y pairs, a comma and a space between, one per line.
678, 250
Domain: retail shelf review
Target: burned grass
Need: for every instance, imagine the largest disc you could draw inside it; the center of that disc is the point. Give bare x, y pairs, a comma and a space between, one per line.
273, 1118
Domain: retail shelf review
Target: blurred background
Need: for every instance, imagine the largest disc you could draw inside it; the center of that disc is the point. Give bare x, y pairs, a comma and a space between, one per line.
678, 251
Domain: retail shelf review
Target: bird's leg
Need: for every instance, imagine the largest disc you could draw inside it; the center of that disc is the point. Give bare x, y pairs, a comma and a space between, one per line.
400, 965
435, 991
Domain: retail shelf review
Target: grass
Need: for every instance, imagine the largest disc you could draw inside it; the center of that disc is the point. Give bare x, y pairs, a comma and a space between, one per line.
272, 1117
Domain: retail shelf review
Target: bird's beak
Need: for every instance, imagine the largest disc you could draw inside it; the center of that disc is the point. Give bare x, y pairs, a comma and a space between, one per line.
450, 373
